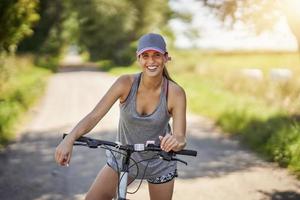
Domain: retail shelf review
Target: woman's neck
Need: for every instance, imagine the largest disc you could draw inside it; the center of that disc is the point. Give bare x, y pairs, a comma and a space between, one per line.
151, 83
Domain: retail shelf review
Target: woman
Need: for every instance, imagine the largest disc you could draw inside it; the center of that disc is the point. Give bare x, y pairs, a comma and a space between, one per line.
147, 101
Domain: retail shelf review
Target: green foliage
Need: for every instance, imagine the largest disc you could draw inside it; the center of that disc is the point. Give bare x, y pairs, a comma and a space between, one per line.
283, 143
16, 19
47, 62
277, 137
109, 66
51, 34
47, 37
264, 128
107, 28
8, 115
22, 85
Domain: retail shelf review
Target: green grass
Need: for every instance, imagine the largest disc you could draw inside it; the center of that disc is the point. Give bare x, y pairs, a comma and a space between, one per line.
193, 59
108, 66
208, 98
24, 84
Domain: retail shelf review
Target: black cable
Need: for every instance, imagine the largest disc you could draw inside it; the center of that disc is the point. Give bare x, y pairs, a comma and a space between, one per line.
137, 168
149, 160
135, 163
158, 157
118, 169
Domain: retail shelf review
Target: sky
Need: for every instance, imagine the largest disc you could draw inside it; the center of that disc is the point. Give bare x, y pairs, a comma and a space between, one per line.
213, 36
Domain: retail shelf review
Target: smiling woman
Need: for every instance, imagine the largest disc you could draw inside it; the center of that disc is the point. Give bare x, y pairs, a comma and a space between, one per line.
147, 102
155, 45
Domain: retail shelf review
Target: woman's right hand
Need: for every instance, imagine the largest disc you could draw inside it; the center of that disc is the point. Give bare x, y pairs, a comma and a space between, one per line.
63, 152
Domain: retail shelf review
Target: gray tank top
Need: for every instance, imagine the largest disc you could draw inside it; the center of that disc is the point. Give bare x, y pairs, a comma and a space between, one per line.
134, 128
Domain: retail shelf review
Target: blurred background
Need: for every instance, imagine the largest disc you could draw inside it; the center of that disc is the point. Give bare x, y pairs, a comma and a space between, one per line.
238, 60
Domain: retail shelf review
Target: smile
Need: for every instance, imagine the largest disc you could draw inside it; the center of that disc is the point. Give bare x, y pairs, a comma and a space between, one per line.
152, 67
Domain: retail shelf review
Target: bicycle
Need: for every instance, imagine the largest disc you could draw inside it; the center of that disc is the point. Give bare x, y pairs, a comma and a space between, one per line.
126, 151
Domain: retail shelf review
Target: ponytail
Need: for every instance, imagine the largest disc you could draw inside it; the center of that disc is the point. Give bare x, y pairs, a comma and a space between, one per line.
167, 75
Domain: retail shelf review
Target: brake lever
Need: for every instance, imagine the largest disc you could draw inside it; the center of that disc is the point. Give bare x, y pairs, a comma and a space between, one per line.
182, 161
168, 156
165, 155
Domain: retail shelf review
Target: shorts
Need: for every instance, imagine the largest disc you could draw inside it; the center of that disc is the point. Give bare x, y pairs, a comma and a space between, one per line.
163, 178
159, 180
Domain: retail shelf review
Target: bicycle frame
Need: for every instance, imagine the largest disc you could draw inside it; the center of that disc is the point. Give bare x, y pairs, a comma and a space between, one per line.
129, 149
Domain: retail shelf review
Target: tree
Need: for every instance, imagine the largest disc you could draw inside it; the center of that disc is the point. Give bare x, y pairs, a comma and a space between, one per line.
16, 19
47, 37
107, 28
258, 15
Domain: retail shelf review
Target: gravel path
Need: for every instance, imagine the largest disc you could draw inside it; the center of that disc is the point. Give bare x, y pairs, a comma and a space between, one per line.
222, 169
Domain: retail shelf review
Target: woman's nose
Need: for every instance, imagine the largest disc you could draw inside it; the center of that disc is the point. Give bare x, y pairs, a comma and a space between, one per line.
151, 59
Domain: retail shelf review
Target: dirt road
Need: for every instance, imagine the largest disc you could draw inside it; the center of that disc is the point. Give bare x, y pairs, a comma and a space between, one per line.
223, 170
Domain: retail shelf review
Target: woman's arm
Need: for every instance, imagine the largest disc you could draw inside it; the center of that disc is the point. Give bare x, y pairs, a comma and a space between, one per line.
117, 91
177, 108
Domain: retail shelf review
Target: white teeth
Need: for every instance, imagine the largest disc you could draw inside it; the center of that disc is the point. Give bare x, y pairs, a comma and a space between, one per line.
151, 67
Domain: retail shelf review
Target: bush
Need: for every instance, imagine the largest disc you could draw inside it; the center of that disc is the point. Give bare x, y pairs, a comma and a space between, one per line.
23, 84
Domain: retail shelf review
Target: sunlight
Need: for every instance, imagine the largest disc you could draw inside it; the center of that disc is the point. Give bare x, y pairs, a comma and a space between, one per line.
291, 10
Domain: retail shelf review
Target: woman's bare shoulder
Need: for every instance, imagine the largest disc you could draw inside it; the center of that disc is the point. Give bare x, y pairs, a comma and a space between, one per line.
176, 90
126, 78
124, 83
177, 97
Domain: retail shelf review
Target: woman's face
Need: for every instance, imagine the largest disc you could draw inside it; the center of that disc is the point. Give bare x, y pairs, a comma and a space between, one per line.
152, 62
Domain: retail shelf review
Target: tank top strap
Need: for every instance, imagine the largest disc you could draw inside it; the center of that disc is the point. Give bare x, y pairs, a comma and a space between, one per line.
166, 88
136, 83
133, 89
137, 80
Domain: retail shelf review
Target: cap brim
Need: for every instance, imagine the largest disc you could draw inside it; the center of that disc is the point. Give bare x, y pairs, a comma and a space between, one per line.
150, 48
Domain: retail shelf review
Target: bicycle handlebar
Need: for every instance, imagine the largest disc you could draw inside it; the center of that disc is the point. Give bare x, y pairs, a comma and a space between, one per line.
95, 143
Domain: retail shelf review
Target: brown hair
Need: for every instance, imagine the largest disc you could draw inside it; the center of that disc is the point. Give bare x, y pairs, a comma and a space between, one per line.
167, 75
165, 71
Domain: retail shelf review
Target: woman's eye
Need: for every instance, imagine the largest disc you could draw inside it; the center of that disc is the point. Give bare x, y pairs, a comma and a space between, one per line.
157, 55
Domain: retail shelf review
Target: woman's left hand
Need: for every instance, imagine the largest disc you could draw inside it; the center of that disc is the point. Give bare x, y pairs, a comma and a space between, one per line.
168, 143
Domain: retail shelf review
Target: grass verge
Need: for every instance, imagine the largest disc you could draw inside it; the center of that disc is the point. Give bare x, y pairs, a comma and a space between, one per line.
21, 89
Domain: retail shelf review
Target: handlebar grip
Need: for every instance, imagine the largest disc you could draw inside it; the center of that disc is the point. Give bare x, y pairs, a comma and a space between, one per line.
93, 142
187, 152
81, 139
